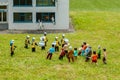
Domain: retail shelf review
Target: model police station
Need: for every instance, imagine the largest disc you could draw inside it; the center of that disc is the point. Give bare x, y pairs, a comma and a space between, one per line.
30, 14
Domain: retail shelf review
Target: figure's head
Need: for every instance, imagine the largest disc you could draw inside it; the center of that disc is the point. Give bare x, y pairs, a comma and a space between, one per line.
70, 47
63, 35
94, 52
27, 36
53, 45
104, 49
84, 43
33, 39
75, 48
99, 47
45, 33
56, 38
13, 41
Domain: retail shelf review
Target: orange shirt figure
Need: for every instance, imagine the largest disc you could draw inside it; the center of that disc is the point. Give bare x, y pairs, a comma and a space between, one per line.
84, 45
70, 54
94, 57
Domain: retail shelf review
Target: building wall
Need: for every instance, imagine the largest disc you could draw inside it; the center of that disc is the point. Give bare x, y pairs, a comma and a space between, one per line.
61, 14
3, 0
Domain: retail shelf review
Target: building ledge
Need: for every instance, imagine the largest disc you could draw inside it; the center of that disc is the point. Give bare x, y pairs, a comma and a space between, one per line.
37, 31
3, 3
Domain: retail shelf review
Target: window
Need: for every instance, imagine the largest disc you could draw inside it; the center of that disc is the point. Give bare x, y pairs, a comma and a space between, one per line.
3, 17
22, 2
45, 2
3, 13
3, 7
22, 17
45, 17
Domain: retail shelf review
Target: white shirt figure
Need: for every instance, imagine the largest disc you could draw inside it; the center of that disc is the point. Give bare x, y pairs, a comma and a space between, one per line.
53, 20
40, 24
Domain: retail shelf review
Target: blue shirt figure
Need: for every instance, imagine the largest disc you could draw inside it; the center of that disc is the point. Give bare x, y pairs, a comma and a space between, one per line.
52, 50
87, 50
75, 52
88, 53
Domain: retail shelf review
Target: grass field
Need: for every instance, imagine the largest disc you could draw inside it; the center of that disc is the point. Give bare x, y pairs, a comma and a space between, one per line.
95, 21
96, 5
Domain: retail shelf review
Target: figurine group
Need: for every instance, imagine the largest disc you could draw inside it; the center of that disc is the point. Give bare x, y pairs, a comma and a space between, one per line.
65, 51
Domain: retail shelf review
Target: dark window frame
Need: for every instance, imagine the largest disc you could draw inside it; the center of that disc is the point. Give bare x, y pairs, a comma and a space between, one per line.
48, 4
21, 3
48, 15
19, 17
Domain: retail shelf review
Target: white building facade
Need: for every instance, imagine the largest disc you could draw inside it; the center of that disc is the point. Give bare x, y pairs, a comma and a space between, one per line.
34, 14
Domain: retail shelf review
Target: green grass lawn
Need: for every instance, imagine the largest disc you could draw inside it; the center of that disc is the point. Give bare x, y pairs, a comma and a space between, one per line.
26, 65
95, 21
96, 5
